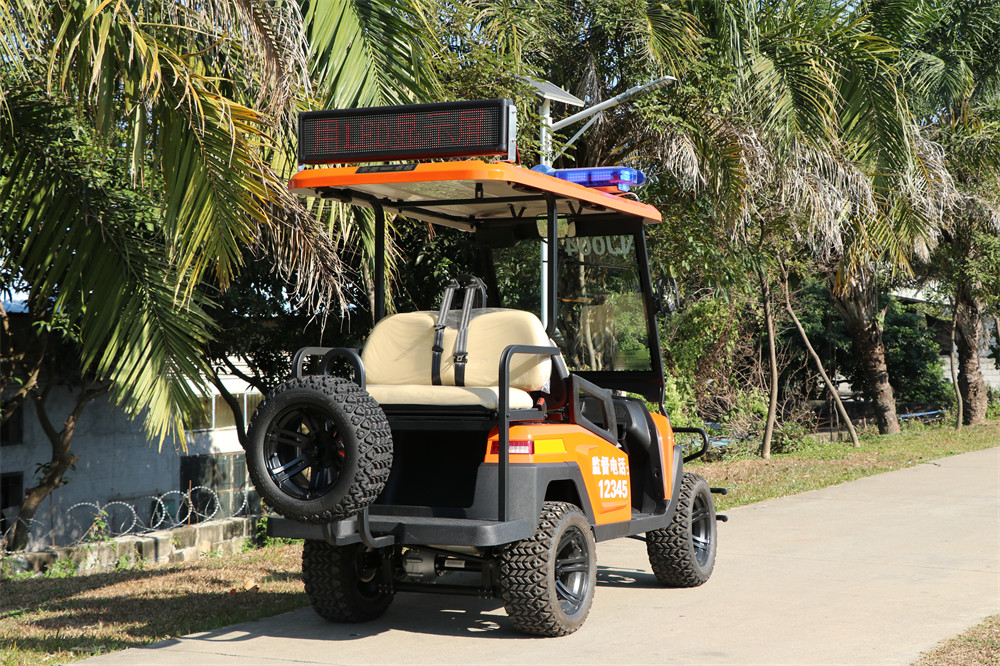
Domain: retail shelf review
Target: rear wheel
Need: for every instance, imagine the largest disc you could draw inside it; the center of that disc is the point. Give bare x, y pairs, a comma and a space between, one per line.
547, 582
683, 554
345, 583
319, 449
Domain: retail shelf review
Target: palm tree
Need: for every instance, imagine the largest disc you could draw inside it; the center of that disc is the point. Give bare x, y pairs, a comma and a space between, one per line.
143, 149
816, 143
953, 69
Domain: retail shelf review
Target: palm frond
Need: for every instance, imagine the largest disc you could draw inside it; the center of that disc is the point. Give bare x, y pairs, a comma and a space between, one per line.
364, 52
86, 250
670, 35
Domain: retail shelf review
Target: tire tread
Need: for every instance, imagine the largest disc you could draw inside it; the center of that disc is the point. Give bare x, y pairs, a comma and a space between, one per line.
374, 445
670, 550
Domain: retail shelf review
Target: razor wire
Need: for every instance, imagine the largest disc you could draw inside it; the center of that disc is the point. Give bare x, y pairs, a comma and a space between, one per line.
94, 521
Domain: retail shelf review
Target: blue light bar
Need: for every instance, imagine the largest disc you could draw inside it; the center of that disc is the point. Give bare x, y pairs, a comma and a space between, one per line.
622, 178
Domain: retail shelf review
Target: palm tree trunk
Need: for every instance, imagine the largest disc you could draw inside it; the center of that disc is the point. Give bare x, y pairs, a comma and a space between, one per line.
969, 331
954, 375
859, 310
819, 366
772, 357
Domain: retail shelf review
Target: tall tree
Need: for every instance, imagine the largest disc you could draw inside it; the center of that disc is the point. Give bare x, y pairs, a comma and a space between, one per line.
144, 147
953, 78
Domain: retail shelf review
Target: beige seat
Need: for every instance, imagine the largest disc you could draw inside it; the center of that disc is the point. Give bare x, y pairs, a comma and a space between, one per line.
397, 359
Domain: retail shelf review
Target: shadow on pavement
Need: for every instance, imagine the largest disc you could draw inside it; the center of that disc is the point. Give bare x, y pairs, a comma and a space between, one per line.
427, 614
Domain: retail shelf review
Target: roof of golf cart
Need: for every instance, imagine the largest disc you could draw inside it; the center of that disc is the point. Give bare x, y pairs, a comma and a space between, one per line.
468, 194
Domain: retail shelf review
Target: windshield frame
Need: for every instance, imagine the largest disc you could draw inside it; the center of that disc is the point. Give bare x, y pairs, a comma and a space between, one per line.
647, 383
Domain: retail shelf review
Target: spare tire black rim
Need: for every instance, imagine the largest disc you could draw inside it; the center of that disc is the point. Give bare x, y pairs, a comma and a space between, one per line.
304, 452
572, 570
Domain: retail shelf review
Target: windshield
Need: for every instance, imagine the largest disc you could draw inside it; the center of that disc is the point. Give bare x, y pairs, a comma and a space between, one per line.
601, 315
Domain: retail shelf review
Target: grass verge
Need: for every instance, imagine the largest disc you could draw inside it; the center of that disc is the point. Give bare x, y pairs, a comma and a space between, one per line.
56, 620
979, 646
818, 465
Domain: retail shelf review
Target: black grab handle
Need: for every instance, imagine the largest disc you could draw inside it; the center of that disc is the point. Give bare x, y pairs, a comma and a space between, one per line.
704, 445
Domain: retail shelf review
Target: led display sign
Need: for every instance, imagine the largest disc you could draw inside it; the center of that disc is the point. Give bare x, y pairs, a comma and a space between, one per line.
414, 131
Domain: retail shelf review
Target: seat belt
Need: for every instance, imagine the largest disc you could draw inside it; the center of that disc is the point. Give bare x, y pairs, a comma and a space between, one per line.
472, 286
442, 322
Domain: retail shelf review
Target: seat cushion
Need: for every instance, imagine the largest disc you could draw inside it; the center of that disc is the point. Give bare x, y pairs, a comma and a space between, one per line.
417, 394
398, 351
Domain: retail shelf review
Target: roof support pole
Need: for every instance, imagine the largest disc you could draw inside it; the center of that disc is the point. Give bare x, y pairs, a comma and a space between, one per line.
379, 261
551, 294
545, 135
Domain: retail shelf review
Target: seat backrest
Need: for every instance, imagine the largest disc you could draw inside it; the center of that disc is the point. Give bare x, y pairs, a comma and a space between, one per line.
398, 351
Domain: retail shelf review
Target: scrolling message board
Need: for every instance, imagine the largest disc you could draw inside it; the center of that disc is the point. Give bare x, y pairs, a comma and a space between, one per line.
414, 131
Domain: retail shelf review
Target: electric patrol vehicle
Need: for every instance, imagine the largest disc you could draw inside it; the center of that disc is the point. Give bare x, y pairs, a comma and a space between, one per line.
475, 449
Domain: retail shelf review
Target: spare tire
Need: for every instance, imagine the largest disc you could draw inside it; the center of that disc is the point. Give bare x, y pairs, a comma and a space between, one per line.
319, 449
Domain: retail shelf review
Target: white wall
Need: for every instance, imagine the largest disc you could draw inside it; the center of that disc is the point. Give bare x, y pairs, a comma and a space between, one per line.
117, 462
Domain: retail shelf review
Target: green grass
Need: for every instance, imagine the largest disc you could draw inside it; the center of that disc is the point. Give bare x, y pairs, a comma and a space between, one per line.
818, 465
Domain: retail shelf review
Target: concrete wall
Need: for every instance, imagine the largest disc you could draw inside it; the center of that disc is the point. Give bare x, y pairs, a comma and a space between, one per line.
183, 544
117, 463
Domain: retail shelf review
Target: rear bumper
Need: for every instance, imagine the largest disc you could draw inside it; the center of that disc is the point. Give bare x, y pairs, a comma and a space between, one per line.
408, 530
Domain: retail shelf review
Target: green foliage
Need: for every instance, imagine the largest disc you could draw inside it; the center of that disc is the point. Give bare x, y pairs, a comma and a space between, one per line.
98, 531
680, 402
993, 403
122, 311
698, 336
435, 255
261, 539
64, 567
913, 357
911, 349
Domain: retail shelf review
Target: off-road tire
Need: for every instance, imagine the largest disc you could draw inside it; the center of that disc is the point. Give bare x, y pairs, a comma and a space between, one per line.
344, 459
345, 583
547, 581
683, 553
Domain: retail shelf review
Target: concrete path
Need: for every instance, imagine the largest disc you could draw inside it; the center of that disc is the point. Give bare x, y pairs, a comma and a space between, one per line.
874, 571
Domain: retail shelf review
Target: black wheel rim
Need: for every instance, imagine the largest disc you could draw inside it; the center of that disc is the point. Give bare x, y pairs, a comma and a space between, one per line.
367, 567
701, 529
572, 570
304, 452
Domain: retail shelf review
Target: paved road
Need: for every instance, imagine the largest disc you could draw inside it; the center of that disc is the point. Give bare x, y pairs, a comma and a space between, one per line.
874, 571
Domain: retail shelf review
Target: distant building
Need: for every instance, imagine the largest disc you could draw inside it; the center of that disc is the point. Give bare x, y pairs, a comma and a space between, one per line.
120, 469
942, 331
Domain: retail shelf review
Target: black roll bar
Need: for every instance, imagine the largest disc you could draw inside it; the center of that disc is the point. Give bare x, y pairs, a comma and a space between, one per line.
379, 260
553, 268
704, 442
504, 417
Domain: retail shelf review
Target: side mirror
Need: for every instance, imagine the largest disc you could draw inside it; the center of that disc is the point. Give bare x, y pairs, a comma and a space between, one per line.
668, 297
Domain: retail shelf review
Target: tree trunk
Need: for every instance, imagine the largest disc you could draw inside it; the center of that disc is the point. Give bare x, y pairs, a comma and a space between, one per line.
969, 330
62, 459
772, 357
954, 373
819, 366
859, 309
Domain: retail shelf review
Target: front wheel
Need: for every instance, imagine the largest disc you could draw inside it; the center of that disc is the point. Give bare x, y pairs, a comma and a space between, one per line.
547, 582
345, 583
683, 553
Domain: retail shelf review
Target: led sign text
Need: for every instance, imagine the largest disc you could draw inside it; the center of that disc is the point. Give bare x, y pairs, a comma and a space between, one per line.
455, 129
